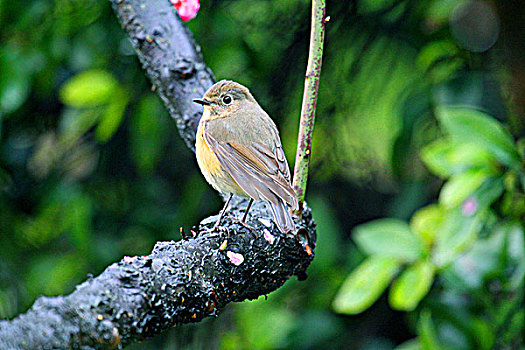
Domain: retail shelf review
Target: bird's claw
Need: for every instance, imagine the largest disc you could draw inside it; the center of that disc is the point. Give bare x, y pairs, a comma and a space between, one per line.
241, 222
212, 229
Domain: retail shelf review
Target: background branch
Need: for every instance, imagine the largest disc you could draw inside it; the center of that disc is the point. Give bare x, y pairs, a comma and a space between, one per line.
179, 282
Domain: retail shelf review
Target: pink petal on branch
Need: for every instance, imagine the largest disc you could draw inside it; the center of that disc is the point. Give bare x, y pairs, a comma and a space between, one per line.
187, 9
470, 206
129, 259
235, 258
268, 236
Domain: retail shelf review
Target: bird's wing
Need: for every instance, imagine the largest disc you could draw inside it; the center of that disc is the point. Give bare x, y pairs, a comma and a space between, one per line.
258, 170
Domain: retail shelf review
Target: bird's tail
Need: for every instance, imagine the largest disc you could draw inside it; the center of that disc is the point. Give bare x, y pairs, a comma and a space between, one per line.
282, 217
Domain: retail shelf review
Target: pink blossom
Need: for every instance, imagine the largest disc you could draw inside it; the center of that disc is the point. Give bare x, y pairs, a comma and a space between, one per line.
469, 206
129, 259
187, 9
268, 236
235, 258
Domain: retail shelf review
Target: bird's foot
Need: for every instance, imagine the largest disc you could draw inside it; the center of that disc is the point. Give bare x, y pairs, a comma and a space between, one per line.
212, 229
241, 222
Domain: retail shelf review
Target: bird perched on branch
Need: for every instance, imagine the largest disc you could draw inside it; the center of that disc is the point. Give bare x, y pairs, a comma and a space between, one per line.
239, 152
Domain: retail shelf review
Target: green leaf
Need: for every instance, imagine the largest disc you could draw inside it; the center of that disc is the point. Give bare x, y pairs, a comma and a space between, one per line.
426, 222
433, 52
439, 60
365, 284
445, 157
460, 186
438, 12
515, 242
442, 70
485, 333
435, 157
487, 193
112, 116
457, 234
412, 286
516, 253
13, 93
388, 238
514, 329
89, 89
426, 332
469, 125
15, 77
480, 262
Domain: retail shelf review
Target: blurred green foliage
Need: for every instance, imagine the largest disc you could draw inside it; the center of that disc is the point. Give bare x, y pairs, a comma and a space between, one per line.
467, 241
416, 179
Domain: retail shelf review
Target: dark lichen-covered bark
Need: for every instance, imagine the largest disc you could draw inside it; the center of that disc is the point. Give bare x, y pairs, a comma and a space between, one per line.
179, 282
172, 60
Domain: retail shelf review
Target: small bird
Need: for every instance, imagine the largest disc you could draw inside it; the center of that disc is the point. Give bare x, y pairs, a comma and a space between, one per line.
239, 152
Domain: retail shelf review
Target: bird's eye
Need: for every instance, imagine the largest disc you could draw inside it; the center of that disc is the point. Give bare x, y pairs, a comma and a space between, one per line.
227, 99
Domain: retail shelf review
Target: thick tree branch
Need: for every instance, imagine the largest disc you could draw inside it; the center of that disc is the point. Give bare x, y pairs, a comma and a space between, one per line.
171, 58
179, 282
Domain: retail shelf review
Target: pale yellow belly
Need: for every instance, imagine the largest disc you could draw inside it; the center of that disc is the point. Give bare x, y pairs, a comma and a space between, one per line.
211, 168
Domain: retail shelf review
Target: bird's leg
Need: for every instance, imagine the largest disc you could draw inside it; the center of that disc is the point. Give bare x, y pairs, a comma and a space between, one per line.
221, 214
247, 210
242, 221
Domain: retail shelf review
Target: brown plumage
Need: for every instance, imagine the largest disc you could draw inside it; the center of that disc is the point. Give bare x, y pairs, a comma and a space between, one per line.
239, 151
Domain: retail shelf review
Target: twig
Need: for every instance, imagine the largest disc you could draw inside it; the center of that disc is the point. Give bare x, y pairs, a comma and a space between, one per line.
311, 87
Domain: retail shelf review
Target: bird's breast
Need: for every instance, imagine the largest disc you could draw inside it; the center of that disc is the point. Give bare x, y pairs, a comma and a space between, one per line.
207, 160
221, 180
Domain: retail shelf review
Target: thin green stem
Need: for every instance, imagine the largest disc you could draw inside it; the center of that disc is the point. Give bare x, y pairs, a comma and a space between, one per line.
311, 87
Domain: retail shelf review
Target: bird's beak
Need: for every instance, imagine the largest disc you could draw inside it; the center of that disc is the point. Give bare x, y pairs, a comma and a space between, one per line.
202, 102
